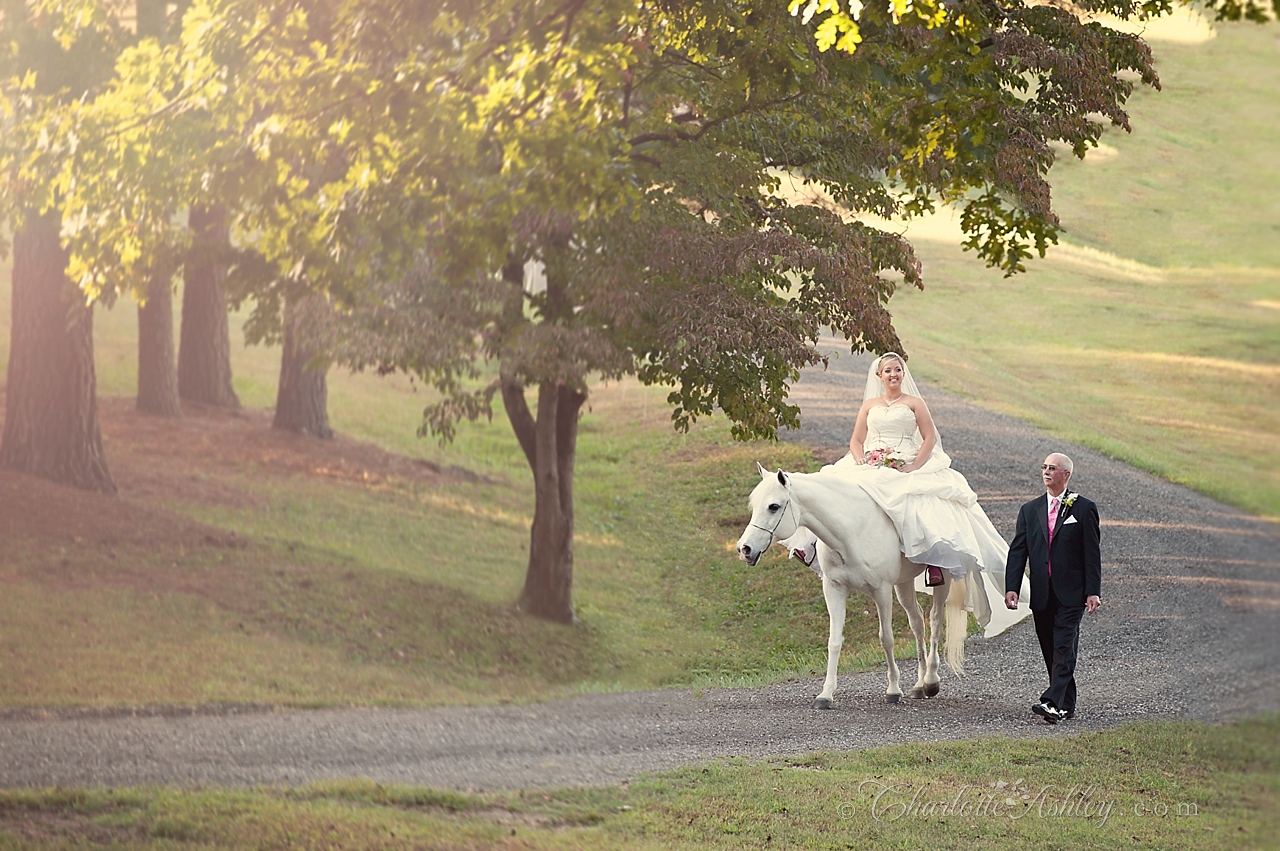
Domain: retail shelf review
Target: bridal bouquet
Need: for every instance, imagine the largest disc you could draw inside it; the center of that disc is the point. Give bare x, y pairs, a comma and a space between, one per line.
885, 458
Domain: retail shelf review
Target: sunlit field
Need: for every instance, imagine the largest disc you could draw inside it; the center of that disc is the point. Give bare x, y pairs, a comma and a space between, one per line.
1159, 342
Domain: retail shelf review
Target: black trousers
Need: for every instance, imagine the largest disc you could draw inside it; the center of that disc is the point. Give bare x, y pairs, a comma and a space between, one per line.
1058, 628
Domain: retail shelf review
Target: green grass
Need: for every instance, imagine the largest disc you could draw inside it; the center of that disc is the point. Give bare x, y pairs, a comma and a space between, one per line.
1180, 378
1197, 182
1173, 367
1156, 785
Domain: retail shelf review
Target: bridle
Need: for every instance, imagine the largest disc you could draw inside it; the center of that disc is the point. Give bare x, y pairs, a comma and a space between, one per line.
772, 532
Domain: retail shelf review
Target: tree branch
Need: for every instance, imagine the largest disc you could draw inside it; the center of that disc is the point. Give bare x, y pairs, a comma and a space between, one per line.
190, 89
687, 61
571, 12
522, 422
682, 136
788, 162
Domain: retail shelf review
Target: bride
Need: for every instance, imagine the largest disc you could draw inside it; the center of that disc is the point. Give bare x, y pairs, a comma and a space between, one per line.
896, 456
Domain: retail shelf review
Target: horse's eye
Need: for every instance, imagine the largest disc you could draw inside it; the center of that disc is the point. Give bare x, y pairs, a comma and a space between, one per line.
774, 507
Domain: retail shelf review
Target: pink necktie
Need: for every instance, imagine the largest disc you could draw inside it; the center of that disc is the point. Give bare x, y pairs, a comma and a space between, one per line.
1053, 527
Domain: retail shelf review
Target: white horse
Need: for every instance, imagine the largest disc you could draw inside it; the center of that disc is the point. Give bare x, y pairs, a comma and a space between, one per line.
859, 550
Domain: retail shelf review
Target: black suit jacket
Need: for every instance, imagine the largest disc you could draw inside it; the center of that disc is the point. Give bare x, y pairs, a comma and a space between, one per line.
1077, 555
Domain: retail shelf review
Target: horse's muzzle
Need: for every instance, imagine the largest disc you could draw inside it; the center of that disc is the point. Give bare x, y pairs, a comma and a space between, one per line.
745, 553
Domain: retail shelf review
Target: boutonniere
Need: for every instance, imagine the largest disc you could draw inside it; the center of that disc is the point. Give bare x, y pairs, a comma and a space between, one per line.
1070, 500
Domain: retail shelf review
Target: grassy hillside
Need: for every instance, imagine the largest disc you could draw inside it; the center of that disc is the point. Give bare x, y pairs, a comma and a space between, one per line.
1197, 182
1153, 333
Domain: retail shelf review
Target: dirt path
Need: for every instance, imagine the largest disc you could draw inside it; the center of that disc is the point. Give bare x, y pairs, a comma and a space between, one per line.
1188, 629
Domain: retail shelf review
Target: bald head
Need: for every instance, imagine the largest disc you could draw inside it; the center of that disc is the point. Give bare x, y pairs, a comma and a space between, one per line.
1055, 471
1057, 459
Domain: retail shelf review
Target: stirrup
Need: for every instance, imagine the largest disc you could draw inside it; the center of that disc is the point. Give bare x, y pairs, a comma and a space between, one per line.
933, 576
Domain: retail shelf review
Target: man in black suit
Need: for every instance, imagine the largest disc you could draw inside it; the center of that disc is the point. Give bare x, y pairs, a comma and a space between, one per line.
1058, 535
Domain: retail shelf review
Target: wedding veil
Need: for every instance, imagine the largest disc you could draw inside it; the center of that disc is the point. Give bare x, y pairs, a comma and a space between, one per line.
875, 387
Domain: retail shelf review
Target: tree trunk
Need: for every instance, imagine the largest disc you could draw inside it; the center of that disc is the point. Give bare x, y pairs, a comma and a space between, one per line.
302, 397
550, 445
157, 374
157, 371
204, 353
51, 410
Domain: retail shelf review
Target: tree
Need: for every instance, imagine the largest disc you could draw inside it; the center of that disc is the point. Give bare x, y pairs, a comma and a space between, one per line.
51, 415
204, 360
406, 158
157, 373
302, 393
625, 151
51, 410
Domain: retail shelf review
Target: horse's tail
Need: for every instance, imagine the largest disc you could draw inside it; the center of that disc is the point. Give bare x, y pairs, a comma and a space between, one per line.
957, 626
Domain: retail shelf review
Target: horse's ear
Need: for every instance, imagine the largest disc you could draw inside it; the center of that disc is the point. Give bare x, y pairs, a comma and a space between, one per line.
783, 478
764, 474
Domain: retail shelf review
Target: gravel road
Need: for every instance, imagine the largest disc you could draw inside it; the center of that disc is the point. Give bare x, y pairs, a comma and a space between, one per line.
1188, 629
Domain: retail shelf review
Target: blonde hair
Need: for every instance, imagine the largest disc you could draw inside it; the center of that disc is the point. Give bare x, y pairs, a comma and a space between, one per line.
888, 356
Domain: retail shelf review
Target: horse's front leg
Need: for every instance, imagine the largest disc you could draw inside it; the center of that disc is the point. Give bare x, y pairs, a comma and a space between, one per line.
836, 596
884, 608
915, 616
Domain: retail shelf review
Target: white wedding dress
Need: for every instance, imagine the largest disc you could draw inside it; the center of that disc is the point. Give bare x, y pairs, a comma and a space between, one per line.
936, 513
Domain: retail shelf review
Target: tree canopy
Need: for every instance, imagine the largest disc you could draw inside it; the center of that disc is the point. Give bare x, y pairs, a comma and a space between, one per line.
623, 144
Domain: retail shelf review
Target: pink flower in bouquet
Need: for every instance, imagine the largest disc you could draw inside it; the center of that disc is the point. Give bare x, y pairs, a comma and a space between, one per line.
884, 458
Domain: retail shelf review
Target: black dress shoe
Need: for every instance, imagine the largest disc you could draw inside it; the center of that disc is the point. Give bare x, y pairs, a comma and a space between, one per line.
1047, 712
1068, 715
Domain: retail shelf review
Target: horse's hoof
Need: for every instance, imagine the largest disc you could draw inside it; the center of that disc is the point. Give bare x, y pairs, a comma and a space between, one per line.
932, 689
892, 698
822, 703
917, 694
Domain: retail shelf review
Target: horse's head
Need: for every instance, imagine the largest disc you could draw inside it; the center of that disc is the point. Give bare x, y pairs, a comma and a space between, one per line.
773, 517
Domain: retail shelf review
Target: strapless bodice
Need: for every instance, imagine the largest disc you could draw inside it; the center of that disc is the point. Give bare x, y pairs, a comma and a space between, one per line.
893, 427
